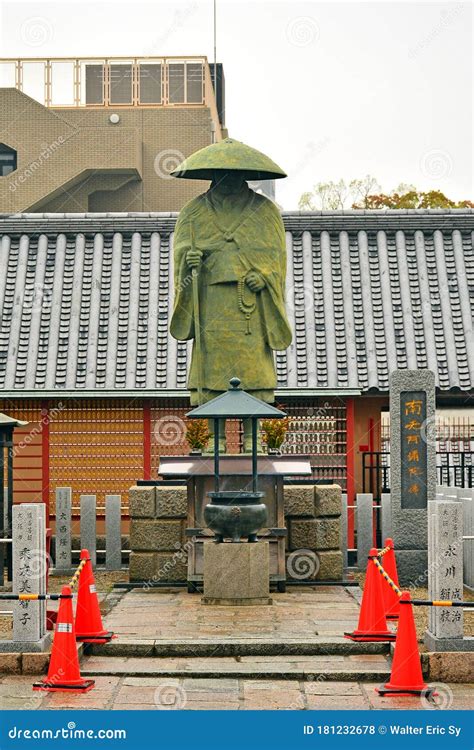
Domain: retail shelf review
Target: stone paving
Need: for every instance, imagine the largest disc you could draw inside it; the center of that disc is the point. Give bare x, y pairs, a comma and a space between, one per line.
154, 693
152, 615
165, 658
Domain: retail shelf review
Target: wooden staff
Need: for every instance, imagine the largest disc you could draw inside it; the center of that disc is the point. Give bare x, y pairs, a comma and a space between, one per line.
197, 324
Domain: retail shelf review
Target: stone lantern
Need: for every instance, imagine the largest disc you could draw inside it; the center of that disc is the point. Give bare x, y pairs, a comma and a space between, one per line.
235, 573
237, 513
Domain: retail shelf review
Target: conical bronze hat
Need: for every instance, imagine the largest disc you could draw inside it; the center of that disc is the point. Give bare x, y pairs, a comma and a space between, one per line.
225, 156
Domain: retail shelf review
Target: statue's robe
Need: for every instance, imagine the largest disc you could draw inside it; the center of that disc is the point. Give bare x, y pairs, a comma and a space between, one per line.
237, 234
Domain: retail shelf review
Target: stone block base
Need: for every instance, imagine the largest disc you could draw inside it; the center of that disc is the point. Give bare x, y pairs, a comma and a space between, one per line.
234, 573
433, 643
330, 566
237, 602
9, 647
451, 666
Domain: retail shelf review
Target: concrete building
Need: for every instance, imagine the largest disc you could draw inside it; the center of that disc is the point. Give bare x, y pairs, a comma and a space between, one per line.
102, 135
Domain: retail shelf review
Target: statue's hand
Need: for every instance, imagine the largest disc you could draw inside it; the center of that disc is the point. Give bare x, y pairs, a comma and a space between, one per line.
193, 258
255, 281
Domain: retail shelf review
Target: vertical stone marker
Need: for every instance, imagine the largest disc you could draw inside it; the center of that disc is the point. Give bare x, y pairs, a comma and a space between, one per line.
88, 526
113, 532
365, 527
466, 496
445, 629
386, 516
63, 528
412, 468
29, 577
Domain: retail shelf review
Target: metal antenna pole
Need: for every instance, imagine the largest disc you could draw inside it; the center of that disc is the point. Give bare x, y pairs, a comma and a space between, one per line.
215, 61
215, 46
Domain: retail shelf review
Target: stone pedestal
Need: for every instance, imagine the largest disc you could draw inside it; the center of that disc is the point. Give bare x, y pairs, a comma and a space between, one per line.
236, 574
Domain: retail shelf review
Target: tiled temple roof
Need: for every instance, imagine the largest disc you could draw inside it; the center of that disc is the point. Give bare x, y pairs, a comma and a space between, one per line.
85, 301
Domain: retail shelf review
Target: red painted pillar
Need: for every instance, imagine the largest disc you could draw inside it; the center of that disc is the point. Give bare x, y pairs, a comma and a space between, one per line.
146, 440
373, 480
45, 457
350, 468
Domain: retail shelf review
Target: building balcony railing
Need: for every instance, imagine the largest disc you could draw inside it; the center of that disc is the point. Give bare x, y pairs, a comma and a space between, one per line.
111, 81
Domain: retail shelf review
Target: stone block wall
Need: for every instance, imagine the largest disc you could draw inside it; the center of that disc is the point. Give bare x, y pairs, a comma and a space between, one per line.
313, 520
158, 542
157, 534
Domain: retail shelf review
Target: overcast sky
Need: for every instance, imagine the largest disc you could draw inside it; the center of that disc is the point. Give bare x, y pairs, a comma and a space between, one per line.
328, 90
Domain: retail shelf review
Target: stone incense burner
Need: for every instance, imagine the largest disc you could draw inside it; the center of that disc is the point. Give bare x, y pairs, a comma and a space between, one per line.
235, 514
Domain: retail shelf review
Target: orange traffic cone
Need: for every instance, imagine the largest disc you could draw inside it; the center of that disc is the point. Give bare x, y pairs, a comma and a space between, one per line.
63, 672
372, 623
390, 596
406, 677
89, 628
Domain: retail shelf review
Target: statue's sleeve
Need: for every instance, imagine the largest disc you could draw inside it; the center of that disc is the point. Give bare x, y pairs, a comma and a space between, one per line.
277, 328
182, 325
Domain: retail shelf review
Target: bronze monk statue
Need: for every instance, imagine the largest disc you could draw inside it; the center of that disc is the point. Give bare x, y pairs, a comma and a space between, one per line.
229, 270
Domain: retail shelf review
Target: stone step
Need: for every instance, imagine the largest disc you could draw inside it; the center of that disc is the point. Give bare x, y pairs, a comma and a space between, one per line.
336, 645
333, 668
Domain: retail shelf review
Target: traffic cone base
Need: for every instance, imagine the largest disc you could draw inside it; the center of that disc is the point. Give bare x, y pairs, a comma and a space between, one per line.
389, 689
392, 617
104, 637
83, 686
375, 637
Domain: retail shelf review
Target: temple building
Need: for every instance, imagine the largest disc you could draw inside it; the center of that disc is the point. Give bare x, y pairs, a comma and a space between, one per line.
86, 356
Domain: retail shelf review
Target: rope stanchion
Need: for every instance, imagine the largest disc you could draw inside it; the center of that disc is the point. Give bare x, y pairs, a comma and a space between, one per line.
385, 575
33, 597
76, 575
418, 602
438, 603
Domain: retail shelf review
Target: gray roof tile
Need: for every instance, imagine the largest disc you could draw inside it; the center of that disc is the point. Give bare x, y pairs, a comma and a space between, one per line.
85, 300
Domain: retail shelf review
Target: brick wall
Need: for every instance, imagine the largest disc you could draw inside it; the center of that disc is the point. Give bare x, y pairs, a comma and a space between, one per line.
75, 160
